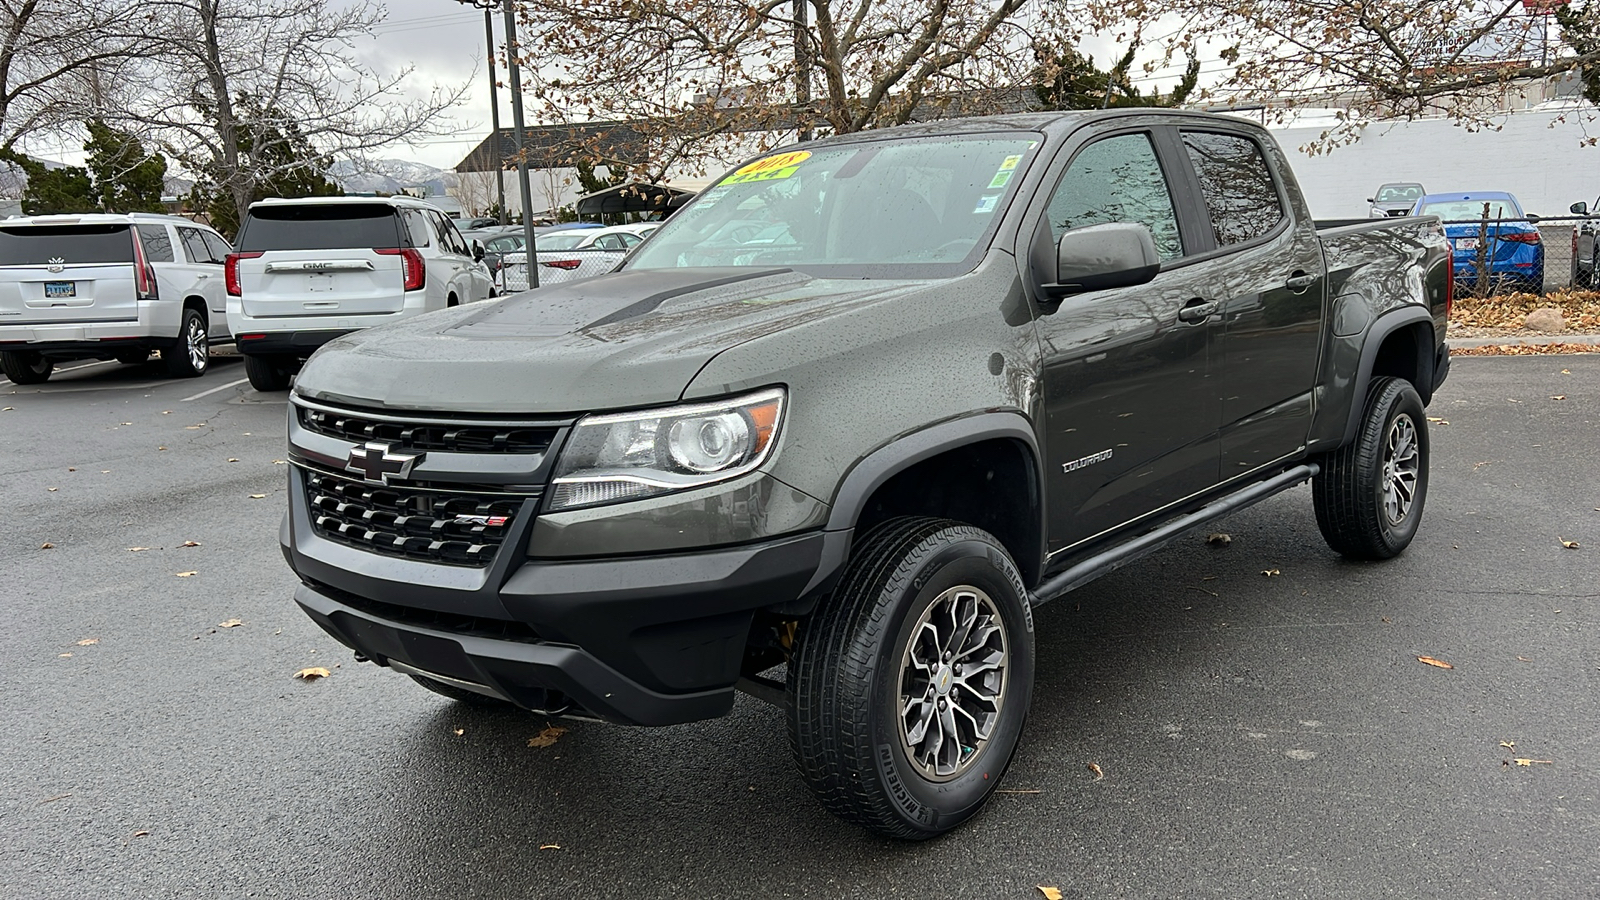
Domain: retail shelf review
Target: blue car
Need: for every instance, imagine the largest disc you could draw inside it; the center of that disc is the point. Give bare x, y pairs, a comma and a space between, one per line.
1515, 254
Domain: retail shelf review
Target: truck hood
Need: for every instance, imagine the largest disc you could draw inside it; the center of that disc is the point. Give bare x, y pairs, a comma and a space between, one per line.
628, 339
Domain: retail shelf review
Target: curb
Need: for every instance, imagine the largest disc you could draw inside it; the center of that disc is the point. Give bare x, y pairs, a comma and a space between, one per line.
1539, 341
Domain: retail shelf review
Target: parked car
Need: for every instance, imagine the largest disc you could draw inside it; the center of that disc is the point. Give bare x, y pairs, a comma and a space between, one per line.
1514, 253
1585, 247
307, 271
109, 287
570, 254
992, 359
1395, 199
473, 222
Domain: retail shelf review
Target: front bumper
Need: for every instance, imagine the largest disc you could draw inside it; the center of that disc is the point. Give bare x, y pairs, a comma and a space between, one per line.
642, 641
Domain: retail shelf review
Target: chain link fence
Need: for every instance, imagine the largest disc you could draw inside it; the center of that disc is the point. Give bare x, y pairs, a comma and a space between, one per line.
1494, 257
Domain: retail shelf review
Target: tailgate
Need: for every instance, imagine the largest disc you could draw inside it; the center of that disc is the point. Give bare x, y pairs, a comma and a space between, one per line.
282, 283
54, 274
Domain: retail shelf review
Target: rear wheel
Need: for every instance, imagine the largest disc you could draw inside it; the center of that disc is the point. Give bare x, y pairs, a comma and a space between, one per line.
1369, 494
23, 367
191, 355
268, 373
910, 684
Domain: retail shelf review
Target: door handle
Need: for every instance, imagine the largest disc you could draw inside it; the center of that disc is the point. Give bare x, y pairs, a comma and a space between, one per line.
1299, 282
1197, 311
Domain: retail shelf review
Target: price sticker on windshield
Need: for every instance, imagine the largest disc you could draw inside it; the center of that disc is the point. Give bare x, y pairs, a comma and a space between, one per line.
772, 168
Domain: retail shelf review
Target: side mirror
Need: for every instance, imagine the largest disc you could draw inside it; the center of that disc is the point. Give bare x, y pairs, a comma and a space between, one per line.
1580, 208
1530, 217
1097, 257
1370, 200
477, 252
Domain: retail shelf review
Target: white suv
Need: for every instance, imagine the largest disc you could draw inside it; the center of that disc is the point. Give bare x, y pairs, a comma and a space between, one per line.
307, 271
109, 286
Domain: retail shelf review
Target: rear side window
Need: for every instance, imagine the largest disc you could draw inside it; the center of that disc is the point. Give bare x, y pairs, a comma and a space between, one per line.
38, 245
194, 245
157, 243
417, 224
1236, 184
330, 227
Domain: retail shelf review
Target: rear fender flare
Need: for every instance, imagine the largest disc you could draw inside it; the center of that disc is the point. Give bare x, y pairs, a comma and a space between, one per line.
1380, 330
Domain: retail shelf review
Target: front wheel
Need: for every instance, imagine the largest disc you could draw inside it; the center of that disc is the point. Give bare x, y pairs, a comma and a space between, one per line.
1369, 494
23, 367
910, 684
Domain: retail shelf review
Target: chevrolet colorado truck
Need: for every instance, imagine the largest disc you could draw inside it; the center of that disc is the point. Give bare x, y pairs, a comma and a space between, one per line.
832, 432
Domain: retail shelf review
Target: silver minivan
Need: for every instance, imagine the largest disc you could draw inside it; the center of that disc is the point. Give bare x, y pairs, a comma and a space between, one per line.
109, 286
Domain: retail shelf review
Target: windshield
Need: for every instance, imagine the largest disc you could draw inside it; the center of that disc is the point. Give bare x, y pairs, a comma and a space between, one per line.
918, 206
38, 245
561, 240
1462, 210
1394, 193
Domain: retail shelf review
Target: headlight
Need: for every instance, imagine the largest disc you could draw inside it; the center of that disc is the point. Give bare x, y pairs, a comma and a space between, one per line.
629, 456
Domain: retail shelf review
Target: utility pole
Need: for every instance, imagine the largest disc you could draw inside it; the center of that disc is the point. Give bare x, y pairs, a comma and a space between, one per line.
802, 69
494, 116
516, 124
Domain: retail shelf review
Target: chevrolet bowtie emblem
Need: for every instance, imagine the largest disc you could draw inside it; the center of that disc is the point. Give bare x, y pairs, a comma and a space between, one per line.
376, 461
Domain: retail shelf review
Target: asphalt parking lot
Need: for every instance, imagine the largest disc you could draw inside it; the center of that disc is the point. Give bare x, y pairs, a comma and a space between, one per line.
1255, 735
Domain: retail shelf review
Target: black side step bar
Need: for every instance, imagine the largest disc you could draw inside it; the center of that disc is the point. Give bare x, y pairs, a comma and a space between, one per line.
1145, 544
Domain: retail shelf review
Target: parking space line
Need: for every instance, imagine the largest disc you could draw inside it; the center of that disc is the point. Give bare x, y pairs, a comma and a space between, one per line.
214, 390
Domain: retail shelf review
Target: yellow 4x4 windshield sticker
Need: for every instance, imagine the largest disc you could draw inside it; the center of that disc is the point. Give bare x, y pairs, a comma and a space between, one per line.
771, 168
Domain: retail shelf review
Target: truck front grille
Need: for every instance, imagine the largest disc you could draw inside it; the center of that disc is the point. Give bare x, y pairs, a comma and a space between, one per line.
448, 437
415, 522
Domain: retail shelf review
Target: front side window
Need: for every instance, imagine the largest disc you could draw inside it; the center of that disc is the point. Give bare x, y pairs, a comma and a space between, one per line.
1117, 179
1240, 196
909, 207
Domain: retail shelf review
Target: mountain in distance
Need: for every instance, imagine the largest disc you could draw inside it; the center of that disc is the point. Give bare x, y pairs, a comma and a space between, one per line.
387, 176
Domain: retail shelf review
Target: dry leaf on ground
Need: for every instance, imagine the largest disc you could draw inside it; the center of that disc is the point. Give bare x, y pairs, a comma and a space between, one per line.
185, 574
140, 834
231, 623
1095, 768
1509, 745
258, 496
1558, 396
64, 655
547, 737
189, 544
47, 546
1219, 539
1570, 545
52, 489
137, 549
549, 846
1050, 893
88, 642
1428, 660
1529, 762
312, 673
1270, 572
461, 731
1561, 348
233, 459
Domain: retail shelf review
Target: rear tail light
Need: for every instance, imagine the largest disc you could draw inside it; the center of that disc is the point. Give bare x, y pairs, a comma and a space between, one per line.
568, 264
144, 275
414, 272
230, 271
1521, 237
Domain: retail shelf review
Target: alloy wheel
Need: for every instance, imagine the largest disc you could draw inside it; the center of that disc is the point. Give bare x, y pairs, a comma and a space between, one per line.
1401, 462
952, 682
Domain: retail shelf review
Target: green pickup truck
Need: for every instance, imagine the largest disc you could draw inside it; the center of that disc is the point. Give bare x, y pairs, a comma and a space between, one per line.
832, 432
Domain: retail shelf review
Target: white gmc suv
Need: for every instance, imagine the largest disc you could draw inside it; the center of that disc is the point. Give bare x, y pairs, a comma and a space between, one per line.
307, 271
109, 286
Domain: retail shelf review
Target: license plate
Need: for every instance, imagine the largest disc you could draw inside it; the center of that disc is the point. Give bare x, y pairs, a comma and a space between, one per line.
1466, 243
319, 281
60, 290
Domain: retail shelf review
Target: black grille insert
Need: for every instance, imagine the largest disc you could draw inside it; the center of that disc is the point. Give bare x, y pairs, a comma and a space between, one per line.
462, 437
453, 623
461, 529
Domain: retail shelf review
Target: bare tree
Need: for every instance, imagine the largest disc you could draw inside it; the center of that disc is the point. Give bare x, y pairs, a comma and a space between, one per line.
235, 76
475, 191
688, 76
1382, 58
53, 53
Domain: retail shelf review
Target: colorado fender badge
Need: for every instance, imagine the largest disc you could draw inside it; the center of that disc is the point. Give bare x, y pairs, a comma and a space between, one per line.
1089, 460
